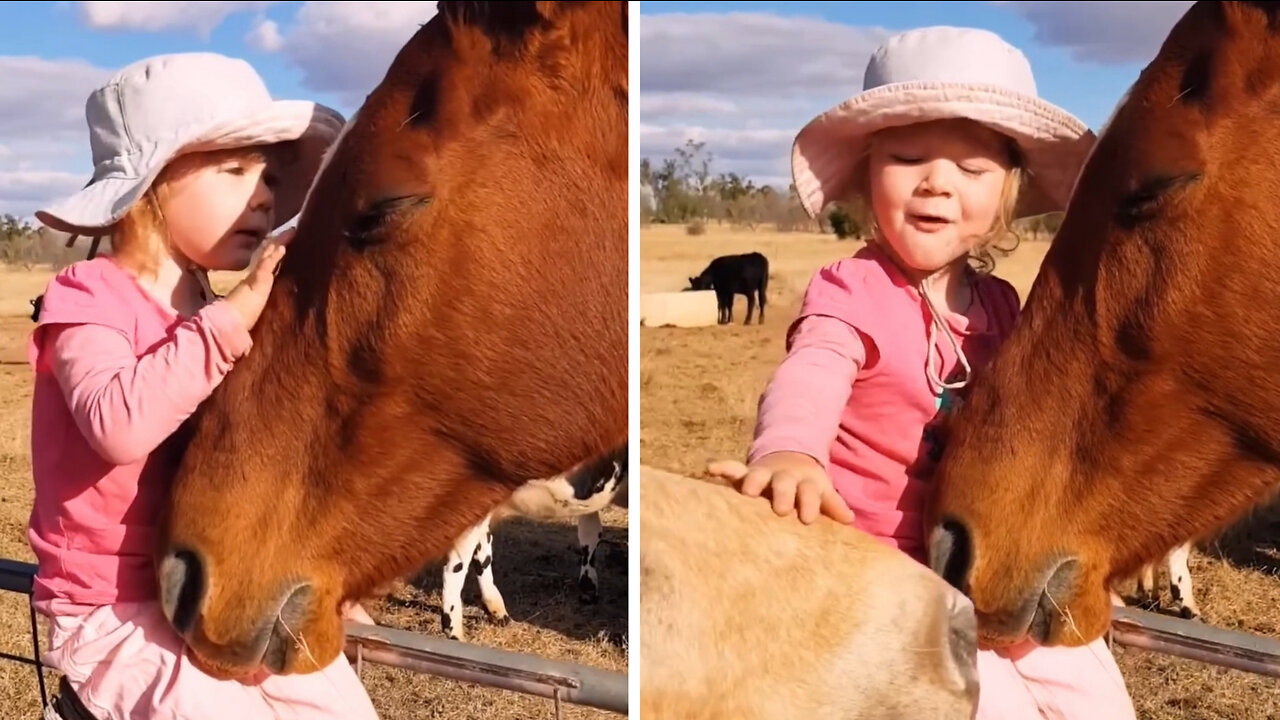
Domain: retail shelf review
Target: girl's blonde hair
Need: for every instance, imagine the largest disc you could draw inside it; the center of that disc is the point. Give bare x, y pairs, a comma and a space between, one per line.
140, 239
1001, 231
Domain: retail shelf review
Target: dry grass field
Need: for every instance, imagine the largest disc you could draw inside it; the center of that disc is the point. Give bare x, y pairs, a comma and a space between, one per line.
535, 566
699, 388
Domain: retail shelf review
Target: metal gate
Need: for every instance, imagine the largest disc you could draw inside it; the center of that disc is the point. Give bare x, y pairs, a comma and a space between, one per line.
592, 687
520, 672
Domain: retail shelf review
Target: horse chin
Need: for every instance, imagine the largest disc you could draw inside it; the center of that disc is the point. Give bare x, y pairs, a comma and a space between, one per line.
1069, 609
295, 637
1083, 618
282, 651
218, 670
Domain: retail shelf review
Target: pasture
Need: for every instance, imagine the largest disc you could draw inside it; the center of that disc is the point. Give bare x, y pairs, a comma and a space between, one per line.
698, 394
535, 566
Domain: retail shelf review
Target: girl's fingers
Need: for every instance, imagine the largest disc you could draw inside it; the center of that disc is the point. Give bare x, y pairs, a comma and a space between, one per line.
755, 481
263, 272
285, 236
728, 469
784, 492
270, 260
835, 508
808, 501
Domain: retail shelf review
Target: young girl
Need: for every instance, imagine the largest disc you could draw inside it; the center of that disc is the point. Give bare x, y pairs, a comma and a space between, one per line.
947, 145
195, 166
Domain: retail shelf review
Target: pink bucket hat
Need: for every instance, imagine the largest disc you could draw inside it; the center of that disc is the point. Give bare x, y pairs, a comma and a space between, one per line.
161, 107
944, 72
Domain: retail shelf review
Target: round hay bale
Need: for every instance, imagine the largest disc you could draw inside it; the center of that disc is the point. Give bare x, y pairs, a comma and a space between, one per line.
692, 308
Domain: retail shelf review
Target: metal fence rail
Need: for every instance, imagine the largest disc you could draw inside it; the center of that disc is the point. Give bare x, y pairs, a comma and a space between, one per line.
581, 685
1195, 641
518, 672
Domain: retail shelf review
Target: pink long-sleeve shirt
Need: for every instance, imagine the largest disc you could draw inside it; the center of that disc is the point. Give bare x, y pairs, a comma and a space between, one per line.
852, 391
116, 373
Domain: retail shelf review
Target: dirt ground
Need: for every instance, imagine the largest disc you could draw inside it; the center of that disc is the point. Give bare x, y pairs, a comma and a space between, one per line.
535, 566
699, 388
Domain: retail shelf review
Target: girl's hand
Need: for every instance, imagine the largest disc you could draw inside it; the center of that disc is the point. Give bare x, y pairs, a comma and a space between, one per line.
249, 296
352, 610
795, 481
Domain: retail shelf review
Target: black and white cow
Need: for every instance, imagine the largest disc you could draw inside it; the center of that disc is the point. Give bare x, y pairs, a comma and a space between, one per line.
581, 494
1180, 588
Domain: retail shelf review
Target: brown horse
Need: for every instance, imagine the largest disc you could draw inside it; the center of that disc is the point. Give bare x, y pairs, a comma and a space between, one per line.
748, 616
450, 323
1135, 406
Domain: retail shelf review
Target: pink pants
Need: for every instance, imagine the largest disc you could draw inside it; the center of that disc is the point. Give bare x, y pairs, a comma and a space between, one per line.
1056, 683
126, 663
1031, 682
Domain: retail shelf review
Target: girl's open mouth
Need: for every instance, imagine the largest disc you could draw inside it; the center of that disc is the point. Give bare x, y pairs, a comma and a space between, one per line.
928, 219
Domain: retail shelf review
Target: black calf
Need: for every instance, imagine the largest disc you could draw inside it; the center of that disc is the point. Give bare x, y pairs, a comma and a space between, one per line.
731, 275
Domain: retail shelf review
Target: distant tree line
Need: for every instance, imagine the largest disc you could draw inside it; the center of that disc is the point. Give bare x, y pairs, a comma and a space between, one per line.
25, 246
684, 190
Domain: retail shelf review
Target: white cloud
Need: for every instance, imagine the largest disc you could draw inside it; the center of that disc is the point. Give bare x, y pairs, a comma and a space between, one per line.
341, 48
198, 17
1103, 32
22, 192
744, 83
41, 97
658, 104
43, 133
761, 154
265, 36
345, 48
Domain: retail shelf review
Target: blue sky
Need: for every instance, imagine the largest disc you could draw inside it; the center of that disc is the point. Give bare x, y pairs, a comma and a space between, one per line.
745, 76
56, 30
741, 75
55, 53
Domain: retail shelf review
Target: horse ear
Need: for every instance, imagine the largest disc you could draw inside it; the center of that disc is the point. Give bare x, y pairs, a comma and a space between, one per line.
501, 21
1272, 10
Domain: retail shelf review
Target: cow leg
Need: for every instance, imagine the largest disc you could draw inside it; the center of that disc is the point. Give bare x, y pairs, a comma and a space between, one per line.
751, 307
455, 575
589, 529
1184, 599
760, 317
482, 566
1148, 595
725, 301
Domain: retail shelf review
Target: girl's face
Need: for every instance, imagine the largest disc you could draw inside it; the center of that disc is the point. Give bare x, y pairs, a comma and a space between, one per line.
219, 207
936, 188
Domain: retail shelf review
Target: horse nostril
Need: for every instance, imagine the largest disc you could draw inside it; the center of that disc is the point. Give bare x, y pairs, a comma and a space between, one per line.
1053, 599
294, 610
182, 586
951, 553
286, 630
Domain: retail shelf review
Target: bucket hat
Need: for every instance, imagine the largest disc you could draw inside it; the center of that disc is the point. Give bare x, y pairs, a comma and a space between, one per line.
940, 72
161, 107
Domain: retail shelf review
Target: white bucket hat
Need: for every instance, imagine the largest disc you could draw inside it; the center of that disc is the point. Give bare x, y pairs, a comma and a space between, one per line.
944, 72
158, 108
